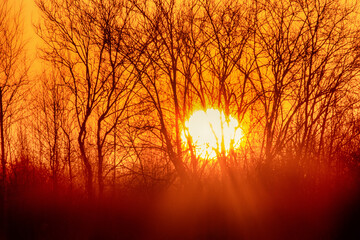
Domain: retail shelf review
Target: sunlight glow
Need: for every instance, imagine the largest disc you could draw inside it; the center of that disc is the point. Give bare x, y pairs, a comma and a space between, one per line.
208, 129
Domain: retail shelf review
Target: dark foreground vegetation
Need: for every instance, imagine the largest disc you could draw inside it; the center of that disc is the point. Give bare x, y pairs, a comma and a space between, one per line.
281, 204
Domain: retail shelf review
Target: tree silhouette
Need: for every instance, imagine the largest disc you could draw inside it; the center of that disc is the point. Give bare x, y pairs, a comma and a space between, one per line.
13, 75
85, 40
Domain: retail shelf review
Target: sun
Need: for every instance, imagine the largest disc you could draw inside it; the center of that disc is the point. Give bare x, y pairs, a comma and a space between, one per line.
209, 130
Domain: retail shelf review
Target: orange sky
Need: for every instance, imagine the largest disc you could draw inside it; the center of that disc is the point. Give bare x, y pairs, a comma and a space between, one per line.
29, 17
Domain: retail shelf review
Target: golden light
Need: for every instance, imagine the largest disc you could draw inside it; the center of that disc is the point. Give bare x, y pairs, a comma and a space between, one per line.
209, 129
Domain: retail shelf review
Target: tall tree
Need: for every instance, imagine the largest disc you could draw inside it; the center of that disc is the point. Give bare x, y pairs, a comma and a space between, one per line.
50, 103
85, 40
13, 71
305, 58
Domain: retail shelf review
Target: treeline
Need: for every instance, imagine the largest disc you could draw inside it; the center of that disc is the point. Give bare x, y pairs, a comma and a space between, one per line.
121, 78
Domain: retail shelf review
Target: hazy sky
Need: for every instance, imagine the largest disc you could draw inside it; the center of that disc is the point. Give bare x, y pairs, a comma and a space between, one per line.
29, 17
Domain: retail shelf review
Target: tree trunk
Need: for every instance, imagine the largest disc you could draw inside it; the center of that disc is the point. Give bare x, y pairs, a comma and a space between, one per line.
3, 164
114, 162
100, 171
69, 162
55, 149
3, 159
100, 158
88, 169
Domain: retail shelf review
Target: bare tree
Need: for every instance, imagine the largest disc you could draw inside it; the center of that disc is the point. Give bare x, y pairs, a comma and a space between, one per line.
158, 69
228, 29
117, 75
13, 74
50, 103
190, 59
85, 39
304, 59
